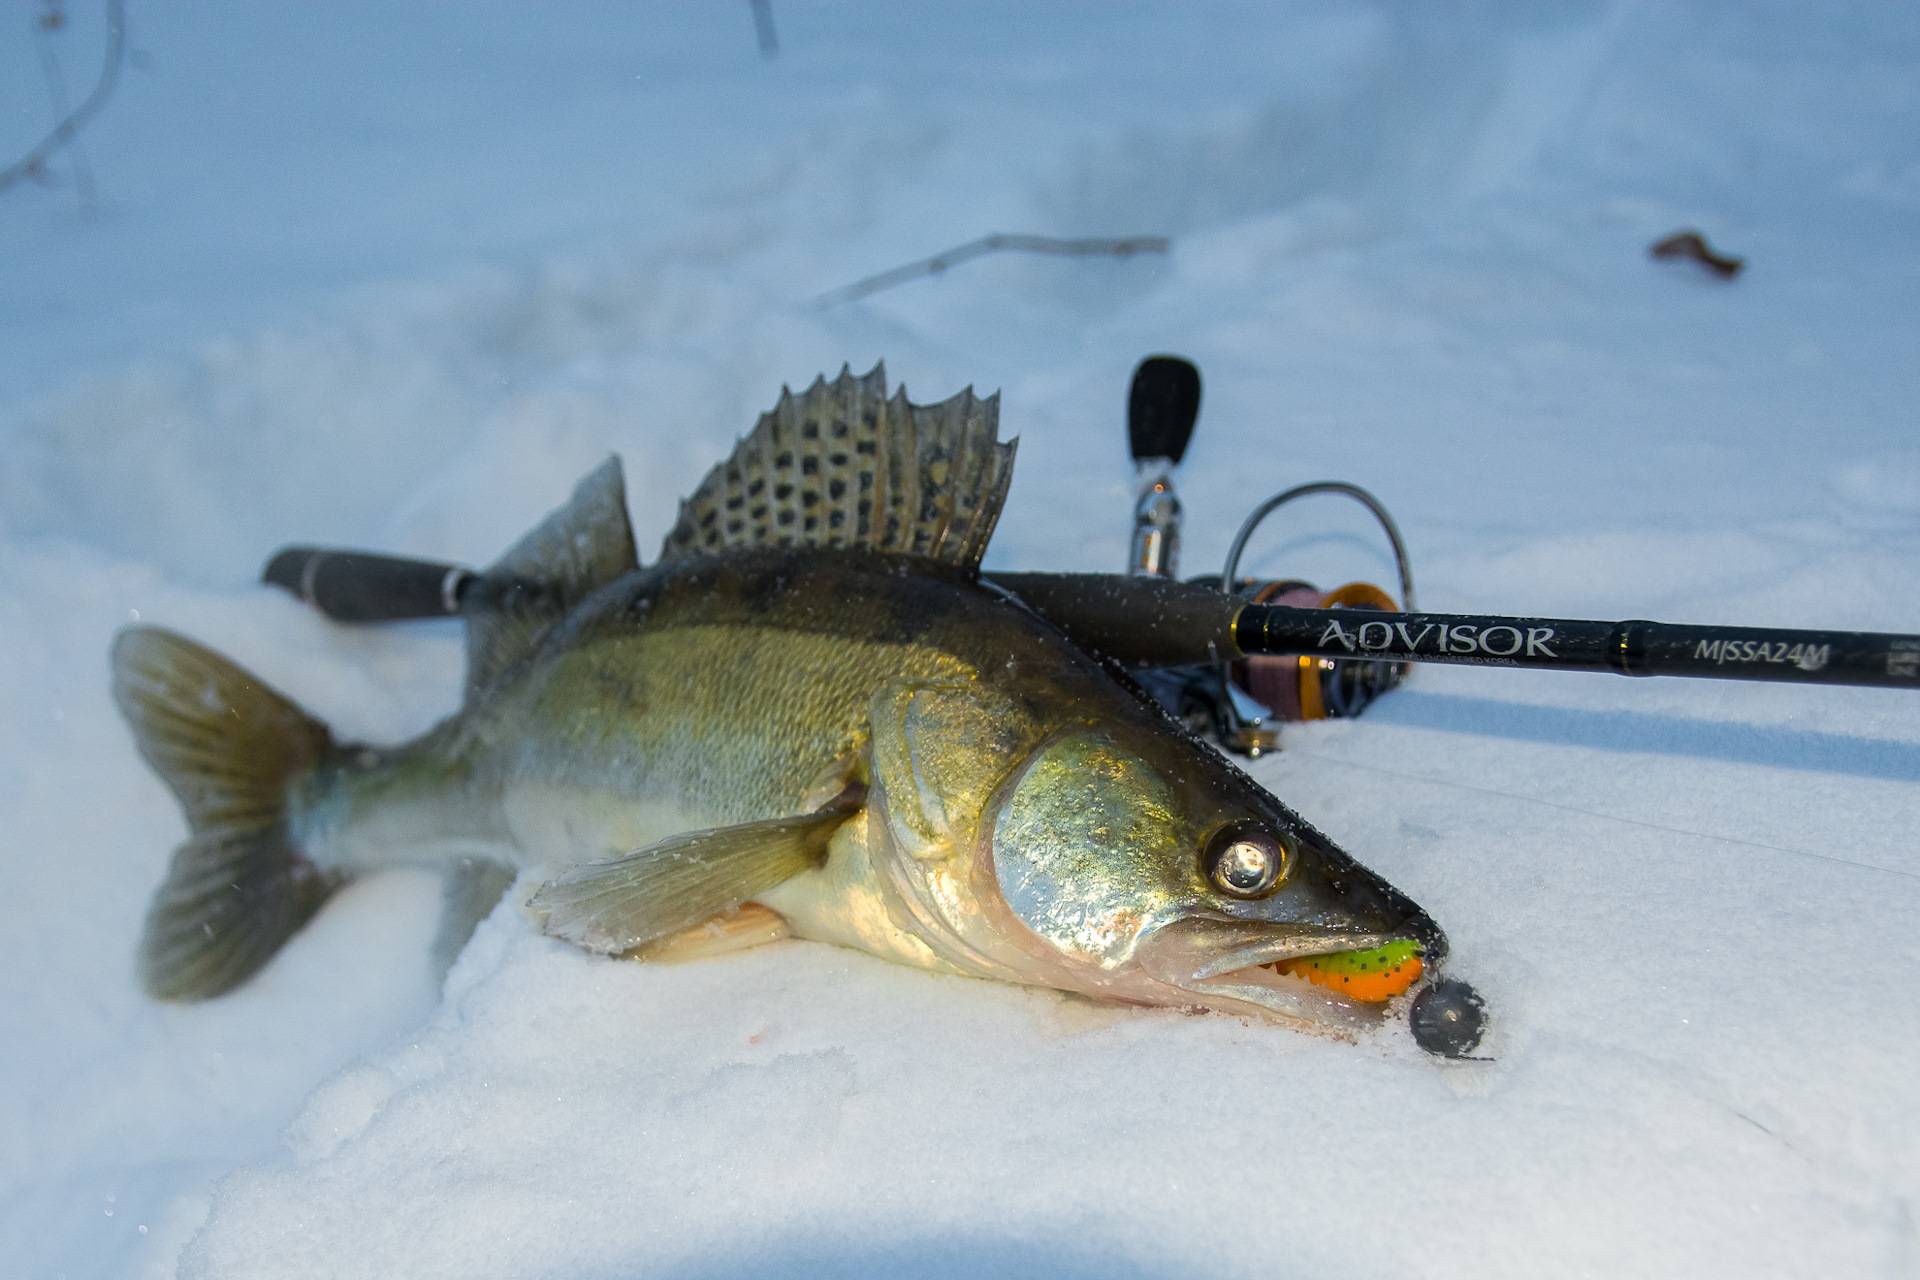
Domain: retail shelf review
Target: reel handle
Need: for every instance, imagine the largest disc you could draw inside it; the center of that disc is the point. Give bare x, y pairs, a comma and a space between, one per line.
1162, 405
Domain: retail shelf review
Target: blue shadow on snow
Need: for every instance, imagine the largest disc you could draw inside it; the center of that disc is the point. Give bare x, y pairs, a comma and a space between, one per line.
1656, 733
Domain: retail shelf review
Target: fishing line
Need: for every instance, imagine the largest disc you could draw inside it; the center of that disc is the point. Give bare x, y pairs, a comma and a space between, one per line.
1605, 817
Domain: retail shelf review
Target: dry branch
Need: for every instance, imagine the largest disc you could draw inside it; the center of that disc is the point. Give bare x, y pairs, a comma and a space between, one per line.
34, 163
998, 242
1693, 245
763, 28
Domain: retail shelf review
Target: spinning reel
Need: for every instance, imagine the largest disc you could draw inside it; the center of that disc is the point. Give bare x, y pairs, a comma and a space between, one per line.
1242, 704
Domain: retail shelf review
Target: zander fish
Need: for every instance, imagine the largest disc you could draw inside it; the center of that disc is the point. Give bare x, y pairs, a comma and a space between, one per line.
810, 716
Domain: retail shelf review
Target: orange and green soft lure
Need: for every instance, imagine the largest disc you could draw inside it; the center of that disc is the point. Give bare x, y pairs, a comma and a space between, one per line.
1374, 975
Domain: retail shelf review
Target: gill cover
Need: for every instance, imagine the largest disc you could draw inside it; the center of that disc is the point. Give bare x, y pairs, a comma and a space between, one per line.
940, 749
1089, 848
938, 753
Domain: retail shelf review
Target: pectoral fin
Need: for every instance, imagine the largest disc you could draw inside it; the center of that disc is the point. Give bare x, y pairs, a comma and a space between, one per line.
671, 886
748, 925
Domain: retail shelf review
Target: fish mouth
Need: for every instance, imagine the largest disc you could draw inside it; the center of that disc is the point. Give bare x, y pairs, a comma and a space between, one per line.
1239, 966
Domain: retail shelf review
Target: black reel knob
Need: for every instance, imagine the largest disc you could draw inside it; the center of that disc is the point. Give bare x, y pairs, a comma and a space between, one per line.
1162, 406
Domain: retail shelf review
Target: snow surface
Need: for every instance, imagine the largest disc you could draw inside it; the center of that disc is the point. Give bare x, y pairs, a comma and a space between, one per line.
395, 275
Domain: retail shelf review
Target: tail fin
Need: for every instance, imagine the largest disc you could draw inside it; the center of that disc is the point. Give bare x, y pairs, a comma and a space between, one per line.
228, 747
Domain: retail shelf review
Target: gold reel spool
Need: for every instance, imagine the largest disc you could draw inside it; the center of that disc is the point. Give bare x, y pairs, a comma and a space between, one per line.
1313, 671
1267, 678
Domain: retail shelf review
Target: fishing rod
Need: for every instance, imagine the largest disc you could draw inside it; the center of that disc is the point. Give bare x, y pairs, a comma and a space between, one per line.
1246, 658
1148, 621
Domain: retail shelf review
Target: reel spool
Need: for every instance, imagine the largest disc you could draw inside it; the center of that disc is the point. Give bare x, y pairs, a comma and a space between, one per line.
1243, 704
1304, 687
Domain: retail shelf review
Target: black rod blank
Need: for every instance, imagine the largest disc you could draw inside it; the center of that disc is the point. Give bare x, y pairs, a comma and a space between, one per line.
1157, 622
1631, 648
1153, 622
359, 586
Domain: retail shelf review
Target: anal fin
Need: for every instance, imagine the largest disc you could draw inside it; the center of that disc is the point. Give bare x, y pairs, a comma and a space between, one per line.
473, 889
683, 881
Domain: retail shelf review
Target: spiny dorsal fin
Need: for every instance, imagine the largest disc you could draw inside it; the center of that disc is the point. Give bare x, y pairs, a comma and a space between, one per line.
579, 548
844, 466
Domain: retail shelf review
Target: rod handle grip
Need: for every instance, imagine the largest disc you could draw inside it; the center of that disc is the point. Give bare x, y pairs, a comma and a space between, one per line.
356, 586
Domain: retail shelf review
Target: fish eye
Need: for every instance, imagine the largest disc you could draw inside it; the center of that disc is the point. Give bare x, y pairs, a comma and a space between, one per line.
1244, 861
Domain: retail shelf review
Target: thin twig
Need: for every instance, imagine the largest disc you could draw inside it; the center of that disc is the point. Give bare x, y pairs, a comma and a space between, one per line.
998, 242
56, 80
763, 28
34, 163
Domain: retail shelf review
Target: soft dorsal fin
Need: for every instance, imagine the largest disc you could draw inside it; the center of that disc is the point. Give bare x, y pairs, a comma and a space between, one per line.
844, 466
581, 547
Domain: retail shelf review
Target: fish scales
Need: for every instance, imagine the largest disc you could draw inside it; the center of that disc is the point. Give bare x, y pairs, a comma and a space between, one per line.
728, 686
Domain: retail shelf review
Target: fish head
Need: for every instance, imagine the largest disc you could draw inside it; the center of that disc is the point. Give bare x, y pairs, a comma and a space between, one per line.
1118, 858
1148, 868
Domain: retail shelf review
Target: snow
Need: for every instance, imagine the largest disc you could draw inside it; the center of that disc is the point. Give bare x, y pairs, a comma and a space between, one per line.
395, 276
